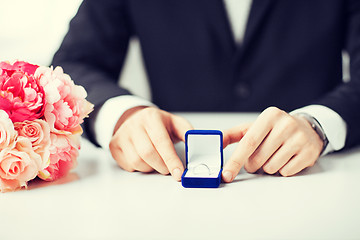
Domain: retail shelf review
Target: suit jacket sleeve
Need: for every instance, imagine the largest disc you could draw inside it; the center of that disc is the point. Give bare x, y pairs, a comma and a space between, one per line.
94, 49
345, 99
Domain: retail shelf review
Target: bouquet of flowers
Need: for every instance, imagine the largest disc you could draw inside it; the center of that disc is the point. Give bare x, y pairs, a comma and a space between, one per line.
41, 110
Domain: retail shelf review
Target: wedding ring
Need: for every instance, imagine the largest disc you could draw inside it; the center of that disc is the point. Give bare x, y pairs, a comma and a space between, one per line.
202, 169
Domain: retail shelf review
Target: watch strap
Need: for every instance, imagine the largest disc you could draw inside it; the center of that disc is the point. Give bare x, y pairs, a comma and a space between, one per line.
317, 128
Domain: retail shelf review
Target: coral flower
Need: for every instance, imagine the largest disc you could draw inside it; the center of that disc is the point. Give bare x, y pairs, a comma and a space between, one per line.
38, 132
21, 96
63, 155
18, 165
7, 131
66, 106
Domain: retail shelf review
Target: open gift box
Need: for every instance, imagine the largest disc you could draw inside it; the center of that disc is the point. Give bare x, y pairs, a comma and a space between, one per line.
204, 159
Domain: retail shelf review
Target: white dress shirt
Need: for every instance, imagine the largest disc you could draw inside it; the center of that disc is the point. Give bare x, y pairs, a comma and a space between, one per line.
238, 12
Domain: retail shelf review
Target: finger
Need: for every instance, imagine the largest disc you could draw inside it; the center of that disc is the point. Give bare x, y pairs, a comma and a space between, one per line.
235, 134
134, 160
247, 146
117, 152
119, 157
146, 150
268, 147
296, 164
164, 146
281, 157
278, 160
178, 126
277, 137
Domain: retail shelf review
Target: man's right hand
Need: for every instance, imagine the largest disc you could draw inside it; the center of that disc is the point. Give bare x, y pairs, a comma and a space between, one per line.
144, 138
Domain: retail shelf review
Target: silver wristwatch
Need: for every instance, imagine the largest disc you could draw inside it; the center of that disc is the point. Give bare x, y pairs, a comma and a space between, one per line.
317, 128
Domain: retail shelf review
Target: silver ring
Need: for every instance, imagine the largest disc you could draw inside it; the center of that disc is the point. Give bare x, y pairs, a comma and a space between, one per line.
202, 169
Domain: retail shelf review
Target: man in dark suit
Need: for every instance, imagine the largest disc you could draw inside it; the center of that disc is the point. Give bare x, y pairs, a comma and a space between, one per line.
289, 56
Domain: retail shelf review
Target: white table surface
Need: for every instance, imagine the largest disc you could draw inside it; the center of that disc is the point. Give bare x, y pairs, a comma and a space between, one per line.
98, 200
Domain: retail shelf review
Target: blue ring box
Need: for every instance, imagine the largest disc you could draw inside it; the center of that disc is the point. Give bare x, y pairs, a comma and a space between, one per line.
204, 159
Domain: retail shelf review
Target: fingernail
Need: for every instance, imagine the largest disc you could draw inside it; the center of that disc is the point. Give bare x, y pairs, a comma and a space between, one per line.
176, 173
227, 176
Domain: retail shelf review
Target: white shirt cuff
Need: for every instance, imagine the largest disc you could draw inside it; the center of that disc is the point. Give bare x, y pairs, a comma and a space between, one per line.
332, 123
109, 114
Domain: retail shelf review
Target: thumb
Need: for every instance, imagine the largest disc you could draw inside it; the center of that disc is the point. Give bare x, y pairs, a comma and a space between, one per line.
179, 126
235, 134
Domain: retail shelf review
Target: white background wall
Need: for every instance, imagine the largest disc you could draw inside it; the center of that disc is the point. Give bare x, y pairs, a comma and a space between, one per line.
32, 30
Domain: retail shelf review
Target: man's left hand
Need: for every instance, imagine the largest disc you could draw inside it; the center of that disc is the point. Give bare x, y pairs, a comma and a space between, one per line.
275, 142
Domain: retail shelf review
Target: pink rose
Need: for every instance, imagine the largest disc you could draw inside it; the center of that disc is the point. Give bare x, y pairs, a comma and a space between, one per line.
18, 165
38, 132
66, 106
63, 154
21, 96
7, 131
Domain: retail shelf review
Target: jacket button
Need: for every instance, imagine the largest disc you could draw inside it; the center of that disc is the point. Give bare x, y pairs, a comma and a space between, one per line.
242, 90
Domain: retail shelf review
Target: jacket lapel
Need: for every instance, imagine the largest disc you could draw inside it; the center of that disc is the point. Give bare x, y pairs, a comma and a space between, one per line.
257, 18
219, 25
218, 19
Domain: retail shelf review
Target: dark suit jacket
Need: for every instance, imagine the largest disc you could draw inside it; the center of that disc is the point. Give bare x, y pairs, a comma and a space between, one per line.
290, 56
